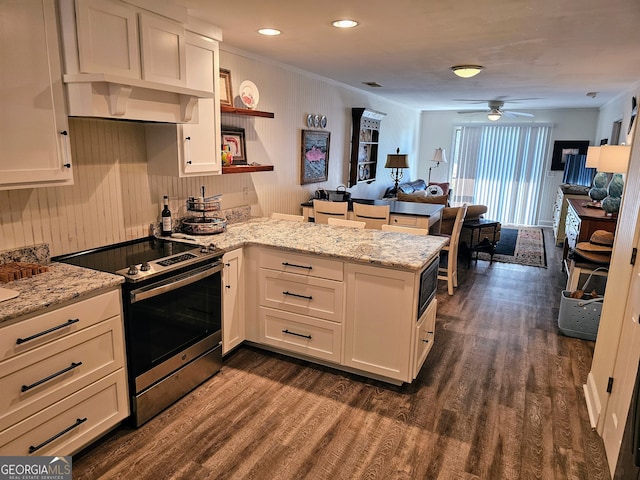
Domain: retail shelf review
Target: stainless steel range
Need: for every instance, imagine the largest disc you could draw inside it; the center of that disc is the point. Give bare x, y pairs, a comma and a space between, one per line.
172, 301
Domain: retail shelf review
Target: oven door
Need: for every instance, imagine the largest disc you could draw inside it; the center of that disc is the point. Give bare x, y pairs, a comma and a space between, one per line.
172, 321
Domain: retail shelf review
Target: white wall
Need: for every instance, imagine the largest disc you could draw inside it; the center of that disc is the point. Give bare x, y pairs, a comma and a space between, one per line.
568, 124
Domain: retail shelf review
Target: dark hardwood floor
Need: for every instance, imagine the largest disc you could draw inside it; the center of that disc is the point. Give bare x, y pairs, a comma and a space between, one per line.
499, 397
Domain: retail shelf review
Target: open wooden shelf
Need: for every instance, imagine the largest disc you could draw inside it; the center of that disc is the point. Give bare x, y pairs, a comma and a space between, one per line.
246, 112
246, 168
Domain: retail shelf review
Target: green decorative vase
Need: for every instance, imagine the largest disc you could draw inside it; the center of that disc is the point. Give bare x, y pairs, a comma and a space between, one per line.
611, 204
599, 189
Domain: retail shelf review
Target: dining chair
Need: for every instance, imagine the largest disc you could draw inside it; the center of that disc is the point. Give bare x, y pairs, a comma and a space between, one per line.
450, 271
410, 230
287, 216
323, 210
373, 215
340, 222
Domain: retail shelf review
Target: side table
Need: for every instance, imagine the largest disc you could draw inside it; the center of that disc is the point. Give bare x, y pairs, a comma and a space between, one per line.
476, 244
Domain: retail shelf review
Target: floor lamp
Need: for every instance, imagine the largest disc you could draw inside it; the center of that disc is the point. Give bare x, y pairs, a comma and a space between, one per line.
438, 156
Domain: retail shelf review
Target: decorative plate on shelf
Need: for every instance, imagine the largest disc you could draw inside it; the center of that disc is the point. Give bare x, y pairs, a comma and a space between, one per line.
361, 172
249, 94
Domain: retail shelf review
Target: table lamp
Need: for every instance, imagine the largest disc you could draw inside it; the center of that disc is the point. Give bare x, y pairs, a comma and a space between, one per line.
598, 189
614, 159
397, 161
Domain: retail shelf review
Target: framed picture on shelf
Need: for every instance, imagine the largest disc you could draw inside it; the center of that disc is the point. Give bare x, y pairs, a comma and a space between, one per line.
562, 148
233, 138
314, 157
226, 96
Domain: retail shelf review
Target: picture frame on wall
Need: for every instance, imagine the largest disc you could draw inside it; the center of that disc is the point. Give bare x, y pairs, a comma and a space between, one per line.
314, 159
563, 148
234, 138
226, 95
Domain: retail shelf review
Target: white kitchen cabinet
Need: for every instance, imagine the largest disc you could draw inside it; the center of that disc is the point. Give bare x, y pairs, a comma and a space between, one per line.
116, 38
233, 331
423, 342
380, 320
62, 374
185, 150
34, 131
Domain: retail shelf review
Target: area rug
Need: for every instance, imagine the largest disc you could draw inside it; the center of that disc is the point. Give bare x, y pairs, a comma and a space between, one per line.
520, 245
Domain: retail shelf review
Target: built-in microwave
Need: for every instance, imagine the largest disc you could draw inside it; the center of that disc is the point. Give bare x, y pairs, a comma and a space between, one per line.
428, 285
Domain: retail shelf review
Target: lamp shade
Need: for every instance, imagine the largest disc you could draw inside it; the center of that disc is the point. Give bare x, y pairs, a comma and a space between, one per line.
614, 158
593, 157
439, 156
397, 160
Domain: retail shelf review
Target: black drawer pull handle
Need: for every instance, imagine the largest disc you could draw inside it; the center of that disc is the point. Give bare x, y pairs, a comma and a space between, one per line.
50, 377
425, 340
71, 321
308, 297
287, 264
296, 334
79, 422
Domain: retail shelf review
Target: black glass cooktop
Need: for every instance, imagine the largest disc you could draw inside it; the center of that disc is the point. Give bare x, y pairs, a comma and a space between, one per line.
113, 258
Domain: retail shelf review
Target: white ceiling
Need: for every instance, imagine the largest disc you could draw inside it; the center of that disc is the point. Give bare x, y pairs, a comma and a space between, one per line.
551, 52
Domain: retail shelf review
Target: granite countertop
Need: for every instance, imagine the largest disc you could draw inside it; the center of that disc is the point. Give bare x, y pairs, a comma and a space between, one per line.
63, 282
389, 249
48, 290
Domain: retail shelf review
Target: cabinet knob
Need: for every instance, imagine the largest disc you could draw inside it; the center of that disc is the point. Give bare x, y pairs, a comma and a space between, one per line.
64, 132
227, 286
67, 165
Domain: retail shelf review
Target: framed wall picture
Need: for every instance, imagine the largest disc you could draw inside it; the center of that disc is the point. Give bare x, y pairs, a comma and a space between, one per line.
314, 157
233, 137
562, 148
226, 96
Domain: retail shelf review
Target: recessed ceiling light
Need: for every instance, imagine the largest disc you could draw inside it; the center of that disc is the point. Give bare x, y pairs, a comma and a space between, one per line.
466, 71
344, 23
269, 31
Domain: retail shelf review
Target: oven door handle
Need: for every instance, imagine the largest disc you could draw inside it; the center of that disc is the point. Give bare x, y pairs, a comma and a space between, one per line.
178, 282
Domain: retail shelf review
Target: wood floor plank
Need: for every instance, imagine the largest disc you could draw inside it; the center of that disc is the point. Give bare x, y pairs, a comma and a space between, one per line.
499, 398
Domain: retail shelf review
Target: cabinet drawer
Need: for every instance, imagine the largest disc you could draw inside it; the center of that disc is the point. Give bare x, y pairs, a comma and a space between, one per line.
83, 417
317, 297
301, 334
54, 371
23, 336
403, 220
308, 265
426, 329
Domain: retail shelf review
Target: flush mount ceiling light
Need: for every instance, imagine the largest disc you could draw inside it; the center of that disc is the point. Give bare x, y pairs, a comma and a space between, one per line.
270, 32
344, 23
494, 115
466, 71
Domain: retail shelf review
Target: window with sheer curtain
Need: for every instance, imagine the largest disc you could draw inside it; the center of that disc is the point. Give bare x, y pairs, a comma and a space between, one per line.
500, 166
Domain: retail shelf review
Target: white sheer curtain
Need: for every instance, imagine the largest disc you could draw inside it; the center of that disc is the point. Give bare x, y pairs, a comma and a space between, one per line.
501, 166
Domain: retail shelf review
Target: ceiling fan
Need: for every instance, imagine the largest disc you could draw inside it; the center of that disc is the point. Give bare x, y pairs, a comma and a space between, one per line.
495, 111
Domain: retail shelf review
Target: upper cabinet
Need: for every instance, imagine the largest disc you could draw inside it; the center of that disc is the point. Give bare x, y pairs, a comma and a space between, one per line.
33, 128
128, 60
191, 149
364, 145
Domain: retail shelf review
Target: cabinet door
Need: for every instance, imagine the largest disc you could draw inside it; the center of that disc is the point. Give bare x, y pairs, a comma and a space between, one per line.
425, 334
33, 127
232, 301
107, 38
380, 320
163, 47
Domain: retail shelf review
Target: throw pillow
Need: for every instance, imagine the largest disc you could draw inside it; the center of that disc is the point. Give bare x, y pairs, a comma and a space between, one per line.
444, 186
440, 199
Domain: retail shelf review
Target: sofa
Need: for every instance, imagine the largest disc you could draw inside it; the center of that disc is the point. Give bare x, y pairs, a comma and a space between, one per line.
420, 191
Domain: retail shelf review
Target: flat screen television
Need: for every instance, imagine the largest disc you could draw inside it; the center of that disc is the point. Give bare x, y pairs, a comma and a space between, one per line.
575, 172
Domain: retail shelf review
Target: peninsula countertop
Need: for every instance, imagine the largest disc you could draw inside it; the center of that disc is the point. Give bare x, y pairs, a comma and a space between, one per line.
389, 249
63, 282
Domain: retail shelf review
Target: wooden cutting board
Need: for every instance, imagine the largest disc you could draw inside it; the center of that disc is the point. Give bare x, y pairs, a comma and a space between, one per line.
7, 294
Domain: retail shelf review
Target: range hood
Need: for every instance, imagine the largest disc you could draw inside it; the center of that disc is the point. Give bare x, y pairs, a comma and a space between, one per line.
135, 60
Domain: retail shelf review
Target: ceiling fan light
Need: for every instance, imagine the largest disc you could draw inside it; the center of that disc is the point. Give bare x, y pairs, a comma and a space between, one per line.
494, 115
344, 23
466, 71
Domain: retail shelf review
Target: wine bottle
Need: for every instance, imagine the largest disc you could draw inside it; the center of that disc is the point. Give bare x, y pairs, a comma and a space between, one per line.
166, 218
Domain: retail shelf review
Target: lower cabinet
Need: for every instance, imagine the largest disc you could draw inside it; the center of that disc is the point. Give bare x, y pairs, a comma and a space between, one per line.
63, 377
381, 312
356, 317
233, 332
